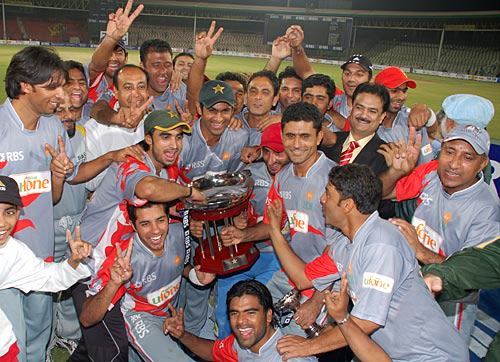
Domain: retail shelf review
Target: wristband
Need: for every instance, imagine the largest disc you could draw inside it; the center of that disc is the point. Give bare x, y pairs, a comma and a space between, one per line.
190, 192
343, 321
432, 119
193, 278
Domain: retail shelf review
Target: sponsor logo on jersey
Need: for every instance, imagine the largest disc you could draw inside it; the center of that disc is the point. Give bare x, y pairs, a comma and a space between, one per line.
287, 195
427, 236
145, 280
262, 183
299, 221
426, 150
164, 294
378, 282
33, 182
11, 156
425, 199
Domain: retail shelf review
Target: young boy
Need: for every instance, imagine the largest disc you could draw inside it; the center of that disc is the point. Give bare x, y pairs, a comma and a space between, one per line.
21, 269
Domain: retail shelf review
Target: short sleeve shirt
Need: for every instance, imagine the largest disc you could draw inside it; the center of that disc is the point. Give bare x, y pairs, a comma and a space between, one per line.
23, 157
448, 223
197, 157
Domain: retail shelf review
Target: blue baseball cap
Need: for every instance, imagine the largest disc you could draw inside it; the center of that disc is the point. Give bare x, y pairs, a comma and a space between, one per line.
469, 109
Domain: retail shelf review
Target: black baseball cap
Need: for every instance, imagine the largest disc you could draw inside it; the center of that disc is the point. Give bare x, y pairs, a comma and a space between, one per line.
9, 191
120, 44
361, 60
216, 91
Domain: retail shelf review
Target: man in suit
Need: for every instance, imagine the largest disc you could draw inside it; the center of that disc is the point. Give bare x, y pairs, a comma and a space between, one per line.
360, 144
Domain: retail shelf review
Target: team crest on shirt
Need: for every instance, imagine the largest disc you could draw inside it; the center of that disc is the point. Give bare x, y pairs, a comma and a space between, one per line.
164, 294
447, 217
226, 156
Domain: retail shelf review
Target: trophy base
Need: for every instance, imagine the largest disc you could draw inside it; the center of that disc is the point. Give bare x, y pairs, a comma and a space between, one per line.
222, 262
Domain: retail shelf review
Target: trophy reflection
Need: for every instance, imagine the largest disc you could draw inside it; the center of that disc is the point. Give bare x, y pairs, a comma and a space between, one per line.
227, 195
287, 306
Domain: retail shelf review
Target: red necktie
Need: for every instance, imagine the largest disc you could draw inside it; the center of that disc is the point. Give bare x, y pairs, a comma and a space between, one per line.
346, 156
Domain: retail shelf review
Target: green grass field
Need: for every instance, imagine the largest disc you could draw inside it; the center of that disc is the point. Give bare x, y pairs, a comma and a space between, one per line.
430, 90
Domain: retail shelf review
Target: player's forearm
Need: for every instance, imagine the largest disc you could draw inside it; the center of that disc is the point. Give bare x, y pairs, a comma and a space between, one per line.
293, 265
389, 179
195, 82
329, 340
96, 306
90, 169
361, 344
103, 113
301, 63
256, 233
57, 188
426, 256
273, 64
160, 190
199, 346
99, 60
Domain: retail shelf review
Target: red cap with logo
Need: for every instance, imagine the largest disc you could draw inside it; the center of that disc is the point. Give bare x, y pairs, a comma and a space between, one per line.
271, 138
393, 77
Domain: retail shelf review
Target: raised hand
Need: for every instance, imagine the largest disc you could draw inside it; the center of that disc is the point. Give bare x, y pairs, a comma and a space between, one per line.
205, 41
306, 315
130, 117
275, 213
249, 154
419, 115
281, 48
175, 81
336, 302
295, 36
120, 22
121, 271
80, 249
185, 116
403, 157
235, 123
60, 164
292, 346
174, 325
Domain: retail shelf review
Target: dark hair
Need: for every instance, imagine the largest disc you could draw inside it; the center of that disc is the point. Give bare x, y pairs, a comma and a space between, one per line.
237, 77
183, 54
251, 287
33, 65
127, 66
288, 72
375, 89
321, 80
269, 75
154, 45
132, 210
359, 183
302, 112
73, 64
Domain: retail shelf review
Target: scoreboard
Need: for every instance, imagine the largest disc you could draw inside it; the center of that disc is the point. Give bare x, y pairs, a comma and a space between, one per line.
98, 16
320, 32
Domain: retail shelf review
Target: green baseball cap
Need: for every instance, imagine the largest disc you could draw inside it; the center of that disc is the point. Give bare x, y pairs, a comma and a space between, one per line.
164, 120
216, 91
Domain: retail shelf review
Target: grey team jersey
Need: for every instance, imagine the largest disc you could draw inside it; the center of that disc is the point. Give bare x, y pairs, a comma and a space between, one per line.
23, 157
156, 279
168, 98
262, 182
308, 233
197, 158
340, 105
73, 199
387, 289
399, 131
254, 134
448, 223
229, 349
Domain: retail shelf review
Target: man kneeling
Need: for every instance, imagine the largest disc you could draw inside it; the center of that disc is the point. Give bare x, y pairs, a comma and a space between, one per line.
254, 337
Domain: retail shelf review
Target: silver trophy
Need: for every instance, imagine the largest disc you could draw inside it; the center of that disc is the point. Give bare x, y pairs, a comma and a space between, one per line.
287, 306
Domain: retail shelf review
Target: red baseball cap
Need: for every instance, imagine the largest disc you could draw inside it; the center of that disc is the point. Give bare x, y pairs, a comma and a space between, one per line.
271, 138
393, 77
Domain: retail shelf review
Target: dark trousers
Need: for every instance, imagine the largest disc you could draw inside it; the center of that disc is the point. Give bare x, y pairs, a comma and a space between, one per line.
103, 342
